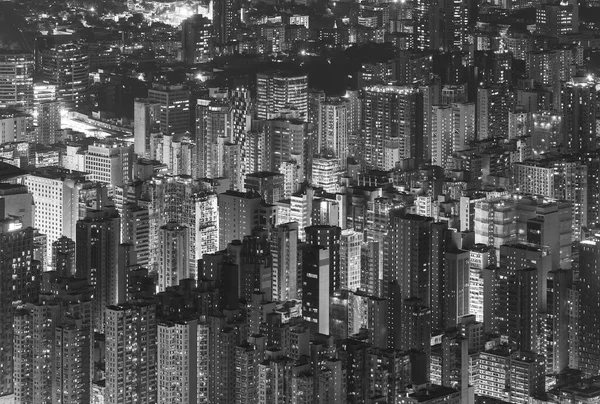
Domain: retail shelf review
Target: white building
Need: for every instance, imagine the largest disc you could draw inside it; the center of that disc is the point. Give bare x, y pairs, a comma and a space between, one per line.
350, 249
109, 163
57, 195
333, 129
325, 174
179, 369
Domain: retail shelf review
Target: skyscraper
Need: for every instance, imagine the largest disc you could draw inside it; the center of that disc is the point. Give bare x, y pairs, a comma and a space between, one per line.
146, 118
213, 130
285, 141
589, 301
286, 276
174, 259
334, 129
350, 260
98, 237
57, 194
131, 354
63, 256
328, 237
393, 121
196, 39
174, 103
179, 366
67, 66
406, 284
316, 286
238, 215
16, 79
579, 109
452, 130
225, 19
280, 91
53, 340
48, 122
492, 112
19, 283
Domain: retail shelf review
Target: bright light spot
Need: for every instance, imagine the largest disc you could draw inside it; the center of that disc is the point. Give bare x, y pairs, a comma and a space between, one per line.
303, 52
92, 9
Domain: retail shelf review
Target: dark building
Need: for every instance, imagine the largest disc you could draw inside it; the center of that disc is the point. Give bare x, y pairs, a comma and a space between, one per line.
226, 19
196, 40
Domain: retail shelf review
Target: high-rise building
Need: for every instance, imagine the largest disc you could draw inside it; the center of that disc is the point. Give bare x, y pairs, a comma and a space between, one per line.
546, 133
63, 256
325, 172
285, 141
224, 335
225, 20
589, 301
213, 130
543, 67
19, 283
393, 121
268, 185
516, 292
333, 129
180, 200
478, 260
174, 259
196, 39
560, 179
286, 275
108, 163
492, 112
98, 236
179, 350
58, 195
177, 155
407, 250
279, 91
579, 109
547, 223
328, 237
48, 118
511, 377
495, 223
423, 24
316, 286
238, 215
16, 79
54, 344
146, 121
174, 118
131, 354
456, 297
558, 345
67, 66
13, 126
452, 130
350, 260
557, 18
135, 229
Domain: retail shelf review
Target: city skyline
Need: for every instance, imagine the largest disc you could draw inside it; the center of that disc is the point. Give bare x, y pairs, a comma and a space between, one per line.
300, 202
